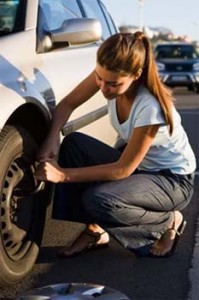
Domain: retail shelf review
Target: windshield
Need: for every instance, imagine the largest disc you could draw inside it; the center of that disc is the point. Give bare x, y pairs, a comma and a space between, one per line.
176, 51
12, 14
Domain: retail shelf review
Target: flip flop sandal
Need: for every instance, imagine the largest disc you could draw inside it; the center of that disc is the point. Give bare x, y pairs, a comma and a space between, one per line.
92, 245
178, 233
145, 251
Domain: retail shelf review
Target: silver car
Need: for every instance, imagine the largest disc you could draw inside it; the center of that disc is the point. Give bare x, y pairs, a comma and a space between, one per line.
46, 48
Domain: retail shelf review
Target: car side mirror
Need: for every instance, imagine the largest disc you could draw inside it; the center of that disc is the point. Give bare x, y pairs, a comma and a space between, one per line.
73, 32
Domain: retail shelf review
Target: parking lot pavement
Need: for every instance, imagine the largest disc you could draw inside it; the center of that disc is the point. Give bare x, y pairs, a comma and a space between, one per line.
194, 269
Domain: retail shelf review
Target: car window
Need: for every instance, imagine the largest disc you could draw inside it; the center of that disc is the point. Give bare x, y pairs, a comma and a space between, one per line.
176, 51
93, 10
57, 11
12, 16
109, 19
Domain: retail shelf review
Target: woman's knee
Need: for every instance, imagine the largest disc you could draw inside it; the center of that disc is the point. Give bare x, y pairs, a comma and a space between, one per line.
70, 139
70, 150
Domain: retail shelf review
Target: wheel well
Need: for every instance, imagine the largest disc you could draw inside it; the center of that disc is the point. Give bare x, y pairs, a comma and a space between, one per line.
31, 118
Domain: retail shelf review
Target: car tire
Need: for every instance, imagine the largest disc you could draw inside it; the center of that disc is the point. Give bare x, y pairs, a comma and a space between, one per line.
21, 217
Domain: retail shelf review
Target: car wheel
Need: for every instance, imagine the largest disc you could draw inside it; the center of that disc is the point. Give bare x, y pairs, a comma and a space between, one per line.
74, 291
21, 216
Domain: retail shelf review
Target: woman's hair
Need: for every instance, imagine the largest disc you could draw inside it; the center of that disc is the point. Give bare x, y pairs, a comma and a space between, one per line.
126, 53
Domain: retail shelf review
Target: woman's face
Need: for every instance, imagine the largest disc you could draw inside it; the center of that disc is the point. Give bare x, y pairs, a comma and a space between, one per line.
112, 84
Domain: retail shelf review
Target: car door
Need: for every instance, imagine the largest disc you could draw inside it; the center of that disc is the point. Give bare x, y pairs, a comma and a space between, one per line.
67, 66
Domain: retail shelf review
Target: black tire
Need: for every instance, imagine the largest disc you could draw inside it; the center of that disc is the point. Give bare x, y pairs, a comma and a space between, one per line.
21, 217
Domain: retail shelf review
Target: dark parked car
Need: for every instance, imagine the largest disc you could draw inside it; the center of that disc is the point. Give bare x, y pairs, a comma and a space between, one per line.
178, 64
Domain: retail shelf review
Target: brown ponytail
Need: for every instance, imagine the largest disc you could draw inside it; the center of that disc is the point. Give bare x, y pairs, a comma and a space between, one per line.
155, 86
126, 53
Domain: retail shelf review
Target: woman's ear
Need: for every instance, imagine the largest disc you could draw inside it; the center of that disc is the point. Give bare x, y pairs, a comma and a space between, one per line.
138, 74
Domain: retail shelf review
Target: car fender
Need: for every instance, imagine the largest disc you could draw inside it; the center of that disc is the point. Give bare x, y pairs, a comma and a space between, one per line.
11, 100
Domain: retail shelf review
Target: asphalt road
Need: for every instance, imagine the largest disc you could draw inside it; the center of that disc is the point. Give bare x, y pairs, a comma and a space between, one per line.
186, 99
115, 267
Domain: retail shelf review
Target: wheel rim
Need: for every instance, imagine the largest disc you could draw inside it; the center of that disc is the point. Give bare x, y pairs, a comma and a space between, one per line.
74, 291
15, 227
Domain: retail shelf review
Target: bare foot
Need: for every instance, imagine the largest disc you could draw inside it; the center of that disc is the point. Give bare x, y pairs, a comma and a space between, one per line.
88, 239
165, 243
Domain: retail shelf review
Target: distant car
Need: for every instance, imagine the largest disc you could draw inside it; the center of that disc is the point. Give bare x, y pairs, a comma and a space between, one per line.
178, 64
46, 48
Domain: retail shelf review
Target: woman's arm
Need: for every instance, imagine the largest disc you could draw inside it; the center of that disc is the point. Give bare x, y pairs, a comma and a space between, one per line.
84, 91
130, 159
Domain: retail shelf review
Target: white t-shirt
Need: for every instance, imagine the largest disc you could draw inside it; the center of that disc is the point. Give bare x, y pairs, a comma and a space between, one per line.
166, 152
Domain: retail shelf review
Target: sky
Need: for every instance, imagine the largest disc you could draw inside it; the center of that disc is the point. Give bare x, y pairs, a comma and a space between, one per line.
180, 16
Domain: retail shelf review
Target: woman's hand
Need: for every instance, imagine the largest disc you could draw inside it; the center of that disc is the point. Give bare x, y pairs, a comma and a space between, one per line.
49, 171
